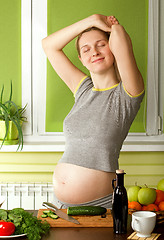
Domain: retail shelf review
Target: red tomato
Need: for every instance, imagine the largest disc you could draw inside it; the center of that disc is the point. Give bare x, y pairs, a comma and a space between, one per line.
6, 228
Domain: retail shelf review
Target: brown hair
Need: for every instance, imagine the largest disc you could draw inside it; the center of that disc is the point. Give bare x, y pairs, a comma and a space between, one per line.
107, 34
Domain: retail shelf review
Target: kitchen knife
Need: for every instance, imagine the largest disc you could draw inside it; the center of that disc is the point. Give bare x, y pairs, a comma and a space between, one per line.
60, 213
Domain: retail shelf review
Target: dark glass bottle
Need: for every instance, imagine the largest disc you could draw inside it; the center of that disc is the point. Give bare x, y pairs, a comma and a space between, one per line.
119, 203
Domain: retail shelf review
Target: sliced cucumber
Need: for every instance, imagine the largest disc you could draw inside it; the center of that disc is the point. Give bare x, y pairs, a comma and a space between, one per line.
46, 211
49, 213
44, 215
52, 215
86, 210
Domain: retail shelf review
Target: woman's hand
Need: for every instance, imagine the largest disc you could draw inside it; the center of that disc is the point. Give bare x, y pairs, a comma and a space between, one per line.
112, 20
103, 22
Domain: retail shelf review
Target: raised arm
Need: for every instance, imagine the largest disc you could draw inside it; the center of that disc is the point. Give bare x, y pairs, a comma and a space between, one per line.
121, 47
53, 46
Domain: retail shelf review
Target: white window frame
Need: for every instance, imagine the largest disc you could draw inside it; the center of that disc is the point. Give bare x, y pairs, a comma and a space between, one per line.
34, 72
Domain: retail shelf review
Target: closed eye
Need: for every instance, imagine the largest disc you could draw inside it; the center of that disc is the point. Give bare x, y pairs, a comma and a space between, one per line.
86, 50
101, 44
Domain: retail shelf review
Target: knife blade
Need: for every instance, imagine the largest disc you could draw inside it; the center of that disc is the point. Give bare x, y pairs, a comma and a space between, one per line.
60, 213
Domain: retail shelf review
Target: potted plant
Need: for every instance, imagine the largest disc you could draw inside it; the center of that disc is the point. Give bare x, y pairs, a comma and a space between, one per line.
11, 119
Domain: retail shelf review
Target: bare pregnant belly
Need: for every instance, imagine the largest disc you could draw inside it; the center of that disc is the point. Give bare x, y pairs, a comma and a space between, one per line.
75, 184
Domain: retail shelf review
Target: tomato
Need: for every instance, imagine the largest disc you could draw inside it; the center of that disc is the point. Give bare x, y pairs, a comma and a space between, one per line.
6, 228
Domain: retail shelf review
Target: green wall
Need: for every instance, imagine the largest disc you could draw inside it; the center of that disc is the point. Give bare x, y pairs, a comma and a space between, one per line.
140, 167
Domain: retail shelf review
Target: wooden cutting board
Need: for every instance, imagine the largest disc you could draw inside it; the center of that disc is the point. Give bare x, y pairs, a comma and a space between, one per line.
85, 221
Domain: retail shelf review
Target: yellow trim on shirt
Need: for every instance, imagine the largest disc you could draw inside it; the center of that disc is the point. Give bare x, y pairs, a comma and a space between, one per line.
104, 89
79, 84
130, 94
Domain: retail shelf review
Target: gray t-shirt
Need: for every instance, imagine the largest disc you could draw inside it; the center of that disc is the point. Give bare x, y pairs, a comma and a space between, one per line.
97, 125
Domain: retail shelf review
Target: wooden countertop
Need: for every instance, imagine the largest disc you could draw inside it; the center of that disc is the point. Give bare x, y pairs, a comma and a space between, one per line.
60, 233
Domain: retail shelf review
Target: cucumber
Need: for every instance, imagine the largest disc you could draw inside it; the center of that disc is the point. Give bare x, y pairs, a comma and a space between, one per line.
49, 213
86, 210
46, 211
53, 216
44, 216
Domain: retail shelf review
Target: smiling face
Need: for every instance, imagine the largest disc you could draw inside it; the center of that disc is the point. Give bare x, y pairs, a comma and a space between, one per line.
94, 51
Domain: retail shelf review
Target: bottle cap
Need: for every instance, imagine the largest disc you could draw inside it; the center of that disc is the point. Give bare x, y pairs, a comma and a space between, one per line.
119, 171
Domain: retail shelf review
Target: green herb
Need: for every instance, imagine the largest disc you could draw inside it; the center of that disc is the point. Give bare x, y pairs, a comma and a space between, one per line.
3, 214
25, 222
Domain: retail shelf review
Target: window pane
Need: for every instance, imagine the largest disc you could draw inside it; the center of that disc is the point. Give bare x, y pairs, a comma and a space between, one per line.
133, 15
10, 48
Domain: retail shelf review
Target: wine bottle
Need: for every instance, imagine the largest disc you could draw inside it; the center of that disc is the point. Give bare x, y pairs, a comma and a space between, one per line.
119, 203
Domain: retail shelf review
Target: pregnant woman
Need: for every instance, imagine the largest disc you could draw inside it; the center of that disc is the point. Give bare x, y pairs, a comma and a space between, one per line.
106, 103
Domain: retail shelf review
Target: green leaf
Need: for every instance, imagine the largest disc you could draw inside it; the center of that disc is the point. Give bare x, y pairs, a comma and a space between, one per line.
7, 127
2, 93
11, 92
20, 134
10, 104
3, 214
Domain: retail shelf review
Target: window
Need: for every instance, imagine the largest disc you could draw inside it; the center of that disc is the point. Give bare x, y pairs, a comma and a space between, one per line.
35, 70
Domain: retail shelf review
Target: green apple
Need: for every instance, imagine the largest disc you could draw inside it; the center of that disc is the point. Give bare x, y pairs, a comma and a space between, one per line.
160, 185
133, 193
146, 195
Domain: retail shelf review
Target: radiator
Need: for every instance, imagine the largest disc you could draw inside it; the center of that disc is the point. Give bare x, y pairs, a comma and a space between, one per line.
29, 196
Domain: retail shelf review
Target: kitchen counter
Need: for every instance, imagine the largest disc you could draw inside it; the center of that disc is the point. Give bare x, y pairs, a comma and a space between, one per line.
92, 233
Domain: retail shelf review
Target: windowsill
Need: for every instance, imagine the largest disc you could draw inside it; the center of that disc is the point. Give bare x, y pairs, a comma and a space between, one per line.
131, 144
